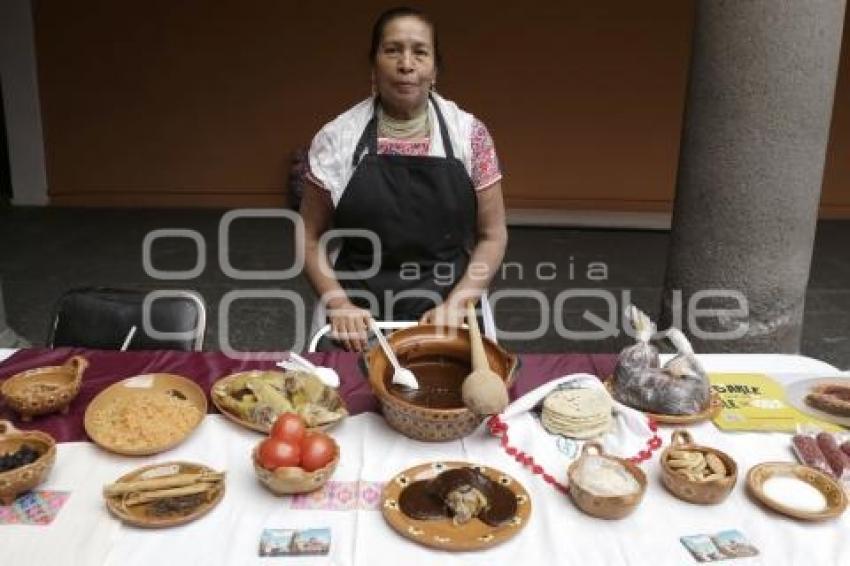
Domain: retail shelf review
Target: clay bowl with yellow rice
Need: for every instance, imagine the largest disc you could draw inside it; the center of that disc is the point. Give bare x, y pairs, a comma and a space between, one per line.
145, 414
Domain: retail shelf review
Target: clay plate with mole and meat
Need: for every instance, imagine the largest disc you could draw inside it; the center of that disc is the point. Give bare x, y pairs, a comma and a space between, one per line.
457, 506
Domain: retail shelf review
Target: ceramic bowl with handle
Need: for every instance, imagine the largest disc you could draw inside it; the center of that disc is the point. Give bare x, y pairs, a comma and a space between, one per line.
24, 478
704, 492
44, 390
605, 506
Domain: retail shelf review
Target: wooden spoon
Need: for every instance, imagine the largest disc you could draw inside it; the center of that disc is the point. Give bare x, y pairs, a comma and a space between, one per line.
483, 391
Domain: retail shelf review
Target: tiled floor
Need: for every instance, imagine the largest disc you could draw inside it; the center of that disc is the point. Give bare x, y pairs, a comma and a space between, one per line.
44, 251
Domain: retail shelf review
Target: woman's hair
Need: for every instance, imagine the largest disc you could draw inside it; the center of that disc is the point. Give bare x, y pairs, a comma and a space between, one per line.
401, 12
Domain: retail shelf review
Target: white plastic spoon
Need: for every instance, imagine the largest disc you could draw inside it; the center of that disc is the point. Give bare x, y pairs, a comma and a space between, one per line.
401, 376
328, 376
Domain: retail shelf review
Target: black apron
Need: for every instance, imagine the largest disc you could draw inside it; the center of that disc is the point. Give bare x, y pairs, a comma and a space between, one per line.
422, 209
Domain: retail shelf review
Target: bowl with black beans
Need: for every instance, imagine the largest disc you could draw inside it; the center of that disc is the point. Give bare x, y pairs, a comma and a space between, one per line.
26, 458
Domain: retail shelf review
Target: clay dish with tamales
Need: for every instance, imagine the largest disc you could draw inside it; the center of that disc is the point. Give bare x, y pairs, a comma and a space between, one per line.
255, 399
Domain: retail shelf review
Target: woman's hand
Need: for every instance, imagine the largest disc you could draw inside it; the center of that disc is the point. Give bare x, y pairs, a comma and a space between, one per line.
350, 326
445, 314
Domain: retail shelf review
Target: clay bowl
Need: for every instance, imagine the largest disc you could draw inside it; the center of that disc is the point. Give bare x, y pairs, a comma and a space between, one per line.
605, 507
439, 357
19, 480
292, 480
44, 390
702, 492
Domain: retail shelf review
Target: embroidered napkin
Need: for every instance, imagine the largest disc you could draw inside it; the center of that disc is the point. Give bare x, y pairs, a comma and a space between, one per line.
34, 508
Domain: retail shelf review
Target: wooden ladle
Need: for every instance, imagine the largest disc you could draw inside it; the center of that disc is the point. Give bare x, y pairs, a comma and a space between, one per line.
483, 391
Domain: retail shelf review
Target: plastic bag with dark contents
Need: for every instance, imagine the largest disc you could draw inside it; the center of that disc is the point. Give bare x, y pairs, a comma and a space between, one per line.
680, 387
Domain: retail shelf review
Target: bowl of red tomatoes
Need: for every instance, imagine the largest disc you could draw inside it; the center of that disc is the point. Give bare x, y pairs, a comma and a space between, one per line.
293, 460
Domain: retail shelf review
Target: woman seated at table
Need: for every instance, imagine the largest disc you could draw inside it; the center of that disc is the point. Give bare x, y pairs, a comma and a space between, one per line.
418, 172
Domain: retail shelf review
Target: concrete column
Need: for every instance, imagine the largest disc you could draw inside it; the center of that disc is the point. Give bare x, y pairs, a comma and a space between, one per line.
8, 337
757, 116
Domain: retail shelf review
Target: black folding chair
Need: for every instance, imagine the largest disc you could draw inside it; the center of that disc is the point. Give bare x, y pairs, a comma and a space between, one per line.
105, 318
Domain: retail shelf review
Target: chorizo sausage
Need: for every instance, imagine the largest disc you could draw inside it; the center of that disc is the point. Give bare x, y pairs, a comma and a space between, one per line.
809, 454
837, 460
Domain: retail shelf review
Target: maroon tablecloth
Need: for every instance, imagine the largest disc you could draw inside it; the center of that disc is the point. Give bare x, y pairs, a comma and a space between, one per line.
107, 367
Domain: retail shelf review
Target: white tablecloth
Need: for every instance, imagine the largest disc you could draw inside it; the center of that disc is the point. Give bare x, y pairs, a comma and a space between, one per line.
558, 533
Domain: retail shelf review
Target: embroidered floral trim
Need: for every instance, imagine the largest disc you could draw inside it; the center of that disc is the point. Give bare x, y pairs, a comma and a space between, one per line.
485, 164
342, 496
390, 146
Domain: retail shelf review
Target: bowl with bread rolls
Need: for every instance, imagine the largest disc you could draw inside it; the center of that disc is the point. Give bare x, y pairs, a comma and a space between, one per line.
695, 473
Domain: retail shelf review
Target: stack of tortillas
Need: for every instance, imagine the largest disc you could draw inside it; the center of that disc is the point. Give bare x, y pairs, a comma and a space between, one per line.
577, 413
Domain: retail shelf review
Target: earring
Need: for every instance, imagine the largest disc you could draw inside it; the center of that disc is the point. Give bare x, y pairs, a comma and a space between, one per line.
434, 86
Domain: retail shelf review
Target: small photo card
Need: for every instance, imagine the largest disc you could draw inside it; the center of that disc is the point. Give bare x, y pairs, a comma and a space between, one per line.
719, 546
295, 542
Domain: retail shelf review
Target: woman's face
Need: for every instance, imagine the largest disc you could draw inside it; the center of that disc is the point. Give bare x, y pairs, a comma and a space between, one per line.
404, 67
